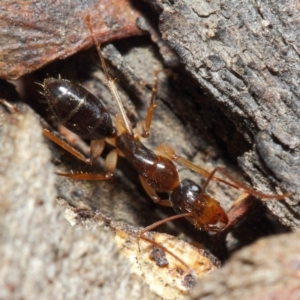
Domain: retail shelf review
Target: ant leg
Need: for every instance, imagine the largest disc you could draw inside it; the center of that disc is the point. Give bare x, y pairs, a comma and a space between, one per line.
96, 147
161, 222
11, 108
120, 124
240, 185
165, 249
143, 127
168, 152
156, 199
153, 242
152, 193
110, 82
110, 166
57, 140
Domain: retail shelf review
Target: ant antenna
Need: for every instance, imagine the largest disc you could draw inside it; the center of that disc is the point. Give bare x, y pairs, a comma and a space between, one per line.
110, 81
163, 248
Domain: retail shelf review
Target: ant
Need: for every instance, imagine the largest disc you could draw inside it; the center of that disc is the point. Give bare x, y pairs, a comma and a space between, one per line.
84, 114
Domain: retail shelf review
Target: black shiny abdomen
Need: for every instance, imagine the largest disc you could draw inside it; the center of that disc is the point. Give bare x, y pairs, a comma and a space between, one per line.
78, 109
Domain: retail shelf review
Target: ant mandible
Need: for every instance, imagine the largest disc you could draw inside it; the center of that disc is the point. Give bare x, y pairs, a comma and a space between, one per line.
84, 114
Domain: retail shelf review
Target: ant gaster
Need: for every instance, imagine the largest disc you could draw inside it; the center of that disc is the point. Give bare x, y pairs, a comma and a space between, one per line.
85, 115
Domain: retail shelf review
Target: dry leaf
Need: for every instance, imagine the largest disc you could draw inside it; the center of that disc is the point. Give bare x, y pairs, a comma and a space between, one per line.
34, 33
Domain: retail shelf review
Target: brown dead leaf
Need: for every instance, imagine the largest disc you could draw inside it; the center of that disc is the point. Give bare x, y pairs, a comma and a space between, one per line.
34, 33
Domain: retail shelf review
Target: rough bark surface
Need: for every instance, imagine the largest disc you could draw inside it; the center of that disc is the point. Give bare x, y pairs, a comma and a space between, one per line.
269, 269
42, 256
233, 101
246, 55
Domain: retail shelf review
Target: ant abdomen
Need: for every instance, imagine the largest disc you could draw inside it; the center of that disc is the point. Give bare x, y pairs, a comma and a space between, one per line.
206, 213
78, 109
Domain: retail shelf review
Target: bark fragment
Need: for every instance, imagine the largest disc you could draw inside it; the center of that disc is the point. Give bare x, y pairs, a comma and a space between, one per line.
34, 33
269, 269
246, 58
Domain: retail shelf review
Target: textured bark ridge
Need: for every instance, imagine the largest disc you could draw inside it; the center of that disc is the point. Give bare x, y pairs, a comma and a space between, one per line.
39, 249
268, 269
234, 96
246, 55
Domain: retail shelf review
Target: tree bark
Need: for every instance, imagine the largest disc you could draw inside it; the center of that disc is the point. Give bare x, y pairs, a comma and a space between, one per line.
227, 96
246, 56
